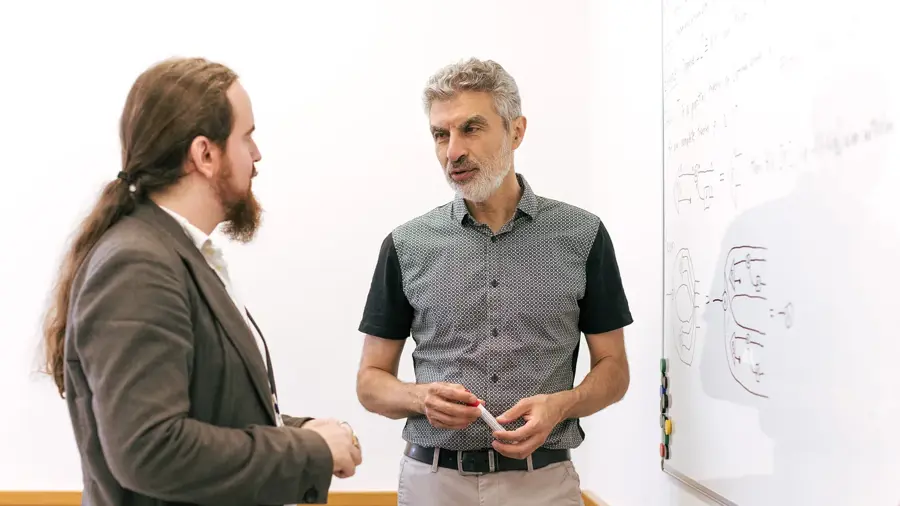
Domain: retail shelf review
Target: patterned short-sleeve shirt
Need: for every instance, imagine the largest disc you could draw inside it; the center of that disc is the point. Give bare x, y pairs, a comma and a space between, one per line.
501, 314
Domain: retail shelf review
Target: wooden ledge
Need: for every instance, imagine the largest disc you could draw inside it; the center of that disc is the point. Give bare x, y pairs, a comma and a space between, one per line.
37, 498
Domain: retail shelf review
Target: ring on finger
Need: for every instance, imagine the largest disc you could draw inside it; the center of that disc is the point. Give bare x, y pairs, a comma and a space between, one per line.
352, 433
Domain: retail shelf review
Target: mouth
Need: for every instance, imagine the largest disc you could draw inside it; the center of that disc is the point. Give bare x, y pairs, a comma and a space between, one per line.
460, 175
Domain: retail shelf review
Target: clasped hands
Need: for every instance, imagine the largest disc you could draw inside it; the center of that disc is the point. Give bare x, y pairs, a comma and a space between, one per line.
342, 441
450, 406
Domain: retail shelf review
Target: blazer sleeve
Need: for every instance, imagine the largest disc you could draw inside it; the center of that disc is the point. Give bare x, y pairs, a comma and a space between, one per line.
295, 421
132, 333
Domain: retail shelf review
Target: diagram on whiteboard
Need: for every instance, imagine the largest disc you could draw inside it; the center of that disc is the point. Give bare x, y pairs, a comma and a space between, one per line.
694, 186
683, 302
750, 319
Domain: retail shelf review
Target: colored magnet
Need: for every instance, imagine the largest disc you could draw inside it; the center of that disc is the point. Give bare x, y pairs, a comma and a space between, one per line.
662, 421
662, 390
666, 439
662, 365
664, 451
668, 427
664, 381
663, 402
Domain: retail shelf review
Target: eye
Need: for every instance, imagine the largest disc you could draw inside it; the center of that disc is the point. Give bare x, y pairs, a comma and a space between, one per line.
439, 135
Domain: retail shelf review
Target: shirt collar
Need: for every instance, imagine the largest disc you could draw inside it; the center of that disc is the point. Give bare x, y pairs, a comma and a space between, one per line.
200, 238
527, 205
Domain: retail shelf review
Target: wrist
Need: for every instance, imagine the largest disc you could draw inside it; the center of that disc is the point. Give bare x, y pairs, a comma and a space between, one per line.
564, 403
418, 393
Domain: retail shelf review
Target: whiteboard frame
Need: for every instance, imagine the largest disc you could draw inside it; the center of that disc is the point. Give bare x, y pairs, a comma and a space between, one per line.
668, 468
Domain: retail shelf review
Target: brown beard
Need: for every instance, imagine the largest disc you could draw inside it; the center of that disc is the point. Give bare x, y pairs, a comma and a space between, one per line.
243, 213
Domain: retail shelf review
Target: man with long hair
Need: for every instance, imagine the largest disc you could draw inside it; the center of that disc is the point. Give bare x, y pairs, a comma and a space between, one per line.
167, 377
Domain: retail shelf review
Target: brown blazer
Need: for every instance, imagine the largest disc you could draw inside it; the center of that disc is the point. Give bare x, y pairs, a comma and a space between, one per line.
168, 394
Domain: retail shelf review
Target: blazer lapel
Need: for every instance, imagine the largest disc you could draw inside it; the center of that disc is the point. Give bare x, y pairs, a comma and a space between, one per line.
216, 296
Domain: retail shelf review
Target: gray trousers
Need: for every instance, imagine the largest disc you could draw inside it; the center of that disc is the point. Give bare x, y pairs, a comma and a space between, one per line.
428, 485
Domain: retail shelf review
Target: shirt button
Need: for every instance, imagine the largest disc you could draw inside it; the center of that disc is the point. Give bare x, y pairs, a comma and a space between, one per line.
494, 378
494, 283
495, 332
493, 238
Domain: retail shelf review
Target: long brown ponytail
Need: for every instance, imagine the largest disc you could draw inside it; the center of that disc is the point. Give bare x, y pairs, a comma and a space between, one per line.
169, 105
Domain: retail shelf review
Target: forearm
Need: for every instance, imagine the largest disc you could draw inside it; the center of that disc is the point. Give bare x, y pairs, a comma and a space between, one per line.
186, 460
605, 384
381, 392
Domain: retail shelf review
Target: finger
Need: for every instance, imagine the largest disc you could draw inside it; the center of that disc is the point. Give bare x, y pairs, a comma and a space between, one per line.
514, 413
356, 455
439, 420
521, 434
442, 421
457, 393
452, 410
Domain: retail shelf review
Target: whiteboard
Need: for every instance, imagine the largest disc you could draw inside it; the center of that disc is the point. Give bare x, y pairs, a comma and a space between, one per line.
782, 250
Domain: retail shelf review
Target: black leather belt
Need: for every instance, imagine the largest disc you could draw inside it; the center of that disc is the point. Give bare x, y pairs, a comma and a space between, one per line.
484, 461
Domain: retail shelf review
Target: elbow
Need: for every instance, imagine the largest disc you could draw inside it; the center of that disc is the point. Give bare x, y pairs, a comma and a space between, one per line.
140, 463
624, 380
364, 393
133, 473
373, 395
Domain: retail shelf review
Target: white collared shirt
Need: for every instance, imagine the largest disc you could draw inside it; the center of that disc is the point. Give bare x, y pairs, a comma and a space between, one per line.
215, 259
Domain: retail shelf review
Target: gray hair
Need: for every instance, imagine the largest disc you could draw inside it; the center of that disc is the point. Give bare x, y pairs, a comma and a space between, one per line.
479, 76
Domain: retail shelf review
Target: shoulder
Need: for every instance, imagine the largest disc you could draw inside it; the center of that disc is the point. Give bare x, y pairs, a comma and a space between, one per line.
559, 210
130, 242
570, 221
423, 228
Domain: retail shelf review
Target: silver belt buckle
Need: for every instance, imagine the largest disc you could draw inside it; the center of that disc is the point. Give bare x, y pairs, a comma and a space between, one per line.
459, 464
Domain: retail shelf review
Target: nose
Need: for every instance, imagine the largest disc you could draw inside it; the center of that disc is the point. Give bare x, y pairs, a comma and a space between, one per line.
456, 149
255, 153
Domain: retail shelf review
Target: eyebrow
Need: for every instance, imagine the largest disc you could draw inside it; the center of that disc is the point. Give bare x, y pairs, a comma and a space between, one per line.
476, 120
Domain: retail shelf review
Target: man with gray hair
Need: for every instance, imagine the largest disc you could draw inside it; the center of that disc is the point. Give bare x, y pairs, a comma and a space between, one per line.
496, 288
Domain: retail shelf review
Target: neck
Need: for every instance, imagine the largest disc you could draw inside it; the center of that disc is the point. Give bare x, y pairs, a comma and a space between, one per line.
197, 207
500, 207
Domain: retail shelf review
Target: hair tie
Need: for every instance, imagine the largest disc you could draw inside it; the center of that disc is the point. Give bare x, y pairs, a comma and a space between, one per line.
124, 176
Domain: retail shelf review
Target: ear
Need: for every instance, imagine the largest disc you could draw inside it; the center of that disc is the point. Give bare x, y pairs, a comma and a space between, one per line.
204, 156
518, 130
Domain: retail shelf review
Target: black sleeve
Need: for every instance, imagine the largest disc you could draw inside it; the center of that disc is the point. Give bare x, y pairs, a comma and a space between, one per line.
388, 313
604, 306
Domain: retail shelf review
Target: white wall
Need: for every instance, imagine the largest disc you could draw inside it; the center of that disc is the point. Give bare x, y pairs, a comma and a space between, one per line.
346, 157
626, 186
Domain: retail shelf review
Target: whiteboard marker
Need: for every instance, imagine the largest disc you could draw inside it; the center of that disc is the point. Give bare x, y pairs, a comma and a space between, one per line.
489, 418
